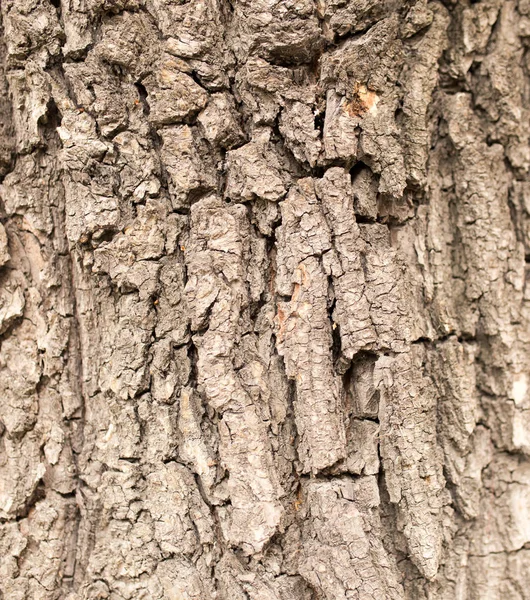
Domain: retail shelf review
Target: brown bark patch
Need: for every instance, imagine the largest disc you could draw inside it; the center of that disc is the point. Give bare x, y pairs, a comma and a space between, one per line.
363, 101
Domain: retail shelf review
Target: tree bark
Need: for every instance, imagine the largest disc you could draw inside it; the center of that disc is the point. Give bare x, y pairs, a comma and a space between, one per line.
264, 319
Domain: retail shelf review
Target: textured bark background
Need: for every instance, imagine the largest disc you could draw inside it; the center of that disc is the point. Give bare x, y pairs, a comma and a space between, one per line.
265, 326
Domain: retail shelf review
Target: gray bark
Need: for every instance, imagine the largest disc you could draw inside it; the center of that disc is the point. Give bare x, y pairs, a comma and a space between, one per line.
264, 315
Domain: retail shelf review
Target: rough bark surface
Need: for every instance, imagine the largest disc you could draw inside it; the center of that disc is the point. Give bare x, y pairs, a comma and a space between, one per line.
264, 313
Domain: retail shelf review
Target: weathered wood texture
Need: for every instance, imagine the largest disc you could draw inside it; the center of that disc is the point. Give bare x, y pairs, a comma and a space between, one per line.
264, 319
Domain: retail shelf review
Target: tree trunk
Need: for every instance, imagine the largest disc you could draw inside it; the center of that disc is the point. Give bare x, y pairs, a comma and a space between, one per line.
265, 329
